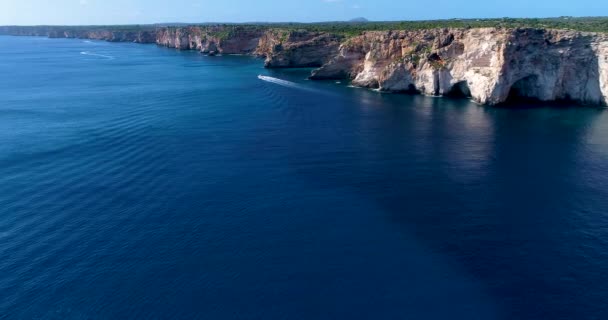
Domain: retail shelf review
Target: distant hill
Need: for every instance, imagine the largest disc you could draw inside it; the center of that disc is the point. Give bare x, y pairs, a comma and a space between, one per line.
359, 19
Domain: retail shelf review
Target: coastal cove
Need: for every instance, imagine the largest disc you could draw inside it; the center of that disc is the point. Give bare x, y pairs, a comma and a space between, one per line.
490, 65
139, 181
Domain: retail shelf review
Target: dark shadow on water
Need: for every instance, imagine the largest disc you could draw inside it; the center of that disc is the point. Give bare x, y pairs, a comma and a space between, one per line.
516, 102
481, 185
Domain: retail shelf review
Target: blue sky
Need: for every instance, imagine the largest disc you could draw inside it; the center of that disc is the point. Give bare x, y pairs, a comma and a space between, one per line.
151, 11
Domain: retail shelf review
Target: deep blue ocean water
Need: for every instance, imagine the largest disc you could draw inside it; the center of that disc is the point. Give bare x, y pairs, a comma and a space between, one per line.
144, 182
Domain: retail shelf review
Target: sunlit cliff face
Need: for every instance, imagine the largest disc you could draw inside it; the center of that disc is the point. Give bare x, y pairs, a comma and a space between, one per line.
488, 64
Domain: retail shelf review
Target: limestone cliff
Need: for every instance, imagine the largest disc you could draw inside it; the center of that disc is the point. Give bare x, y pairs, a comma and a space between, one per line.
282, 49
211, 40
488, 64
288, 49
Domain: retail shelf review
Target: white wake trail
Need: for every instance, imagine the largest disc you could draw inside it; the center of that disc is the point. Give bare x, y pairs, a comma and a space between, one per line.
283, 83
87, 53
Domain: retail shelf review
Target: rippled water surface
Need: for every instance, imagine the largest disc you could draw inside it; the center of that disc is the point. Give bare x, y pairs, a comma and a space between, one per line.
142, 182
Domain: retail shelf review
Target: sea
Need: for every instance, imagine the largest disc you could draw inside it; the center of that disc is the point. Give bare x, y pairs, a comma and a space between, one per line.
140, 182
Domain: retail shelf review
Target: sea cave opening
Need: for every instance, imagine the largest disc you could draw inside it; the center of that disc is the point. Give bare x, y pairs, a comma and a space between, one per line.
460, 90
525, 89
411, 89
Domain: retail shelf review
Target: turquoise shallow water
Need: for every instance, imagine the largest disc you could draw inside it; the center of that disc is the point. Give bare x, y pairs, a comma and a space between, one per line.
143, 182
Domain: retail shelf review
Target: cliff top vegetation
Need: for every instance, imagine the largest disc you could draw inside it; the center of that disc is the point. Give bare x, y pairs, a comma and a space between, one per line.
589, 24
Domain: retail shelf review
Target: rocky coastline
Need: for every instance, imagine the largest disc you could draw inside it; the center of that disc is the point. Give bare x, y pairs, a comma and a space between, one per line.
488, 65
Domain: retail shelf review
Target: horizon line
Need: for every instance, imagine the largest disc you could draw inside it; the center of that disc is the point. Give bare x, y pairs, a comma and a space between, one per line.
291, 22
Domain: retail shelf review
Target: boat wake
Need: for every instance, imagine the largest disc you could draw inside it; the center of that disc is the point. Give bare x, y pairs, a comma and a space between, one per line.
87, 53
283, 83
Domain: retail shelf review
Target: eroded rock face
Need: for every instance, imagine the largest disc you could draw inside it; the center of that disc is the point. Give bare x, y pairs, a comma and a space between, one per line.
552, 65
488, 64
211, 40
603, 69
180, 38
284, 49
280, 48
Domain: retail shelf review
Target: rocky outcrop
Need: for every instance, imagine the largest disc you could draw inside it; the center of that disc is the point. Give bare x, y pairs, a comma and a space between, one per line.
289, 49
603, 69
490, 65
180, 38
280, 48
551, 65
212, 40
